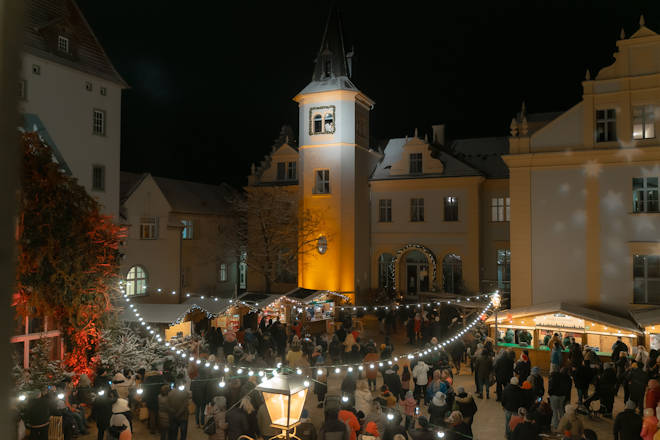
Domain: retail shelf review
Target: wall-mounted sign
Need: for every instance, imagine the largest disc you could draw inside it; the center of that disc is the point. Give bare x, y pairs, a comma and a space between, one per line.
559, 320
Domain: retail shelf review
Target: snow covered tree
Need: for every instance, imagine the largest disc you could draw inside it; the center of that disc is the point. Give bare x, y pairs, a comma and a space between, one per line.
43, 371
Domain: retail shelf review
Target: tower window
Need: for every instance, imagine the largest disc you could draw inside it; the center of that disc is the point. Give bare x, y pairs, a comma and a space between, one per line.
322, 184
329, 123
318, 124
98, 122
327, 65
63, 44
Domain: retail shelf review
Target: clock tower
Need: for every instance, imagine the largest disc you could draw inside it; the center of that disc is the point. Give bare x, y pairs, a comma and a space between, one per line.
335, 163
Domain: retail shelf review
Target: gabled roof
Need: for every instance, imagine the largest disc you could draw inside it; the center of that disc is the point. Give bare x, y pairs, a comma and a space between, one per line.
643, 31
45, 19
33, 123
128, 182
646, 317
483, 154
453, 167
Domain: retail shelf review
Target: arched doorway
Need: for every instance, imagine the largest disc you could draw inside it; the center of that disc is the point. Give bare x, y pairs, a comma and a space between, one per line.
452, 273
416, 270
428, 268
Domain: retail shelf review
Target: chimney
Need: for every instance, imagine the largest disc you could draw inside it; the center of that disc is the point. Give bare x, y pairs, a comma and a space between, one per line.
439, 134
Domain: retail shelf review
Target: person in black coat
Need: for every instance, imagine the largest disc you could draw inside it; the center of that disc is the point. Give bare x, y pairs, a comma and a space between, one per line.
102, 411
618, 347
392, 380
628, 424
37, 415
637, 381
198, 391
512, 399
483, 369
503, 371
528, 429
523, 367
583, 376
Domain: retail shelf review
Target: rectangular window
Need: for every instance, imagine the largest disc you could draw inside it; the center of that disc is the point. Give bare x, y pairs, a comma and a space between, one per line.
242, 272
104, 91
416, 210
646, 275
98, 178
645, 194
98, 122
500, 209
605, 125
222, 273
291, 171
415, 163
281, 168
503, 268
451, 209
188, 231
643, 122
22, 89
63, 44
149, 228
385, 210
322, 184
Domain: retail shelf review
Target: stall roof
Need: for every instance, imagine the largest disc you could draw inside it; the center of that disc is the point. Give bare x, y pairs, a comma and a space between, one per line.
574, 310
156, 313
304, 295
646, 317
209, 304
258, 300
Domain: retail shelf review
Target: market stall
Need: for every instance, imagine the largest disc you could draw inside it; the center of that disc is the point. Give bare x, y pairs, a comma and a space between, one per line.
317, 308
269, 306
649, 320
526, 328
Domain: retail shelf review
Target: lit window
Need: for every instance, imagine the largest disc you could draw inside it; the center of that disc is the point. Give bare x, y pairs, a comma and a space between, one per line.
98, 122
415, 163
500, 208
385, 210
322, 185
149, 228
222, 273
22, 89
98, 178
318, 124
136, 281
645, 194
187, 232
291, 171
329, 123
416, 210
605, 125
63, 44
451, 209
646, 274
643, 122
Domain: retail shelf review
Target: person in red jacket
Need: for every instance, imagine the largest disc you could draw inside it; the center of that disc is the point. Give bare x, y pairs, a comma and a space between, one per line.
351, 421
652, 394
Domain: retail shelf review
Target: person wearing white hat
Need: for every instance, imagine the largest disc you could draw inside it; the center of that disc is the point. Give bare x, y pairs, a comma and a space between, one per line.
120, 425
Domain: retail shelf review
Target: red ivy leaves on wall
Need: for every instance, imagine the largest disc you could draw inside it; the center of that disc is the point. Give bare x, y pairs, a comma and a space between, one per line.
68, 254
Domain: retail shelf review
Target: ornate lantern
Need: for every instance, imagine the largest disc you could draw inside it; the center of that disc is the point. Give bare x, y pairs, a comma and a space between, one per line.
284, 396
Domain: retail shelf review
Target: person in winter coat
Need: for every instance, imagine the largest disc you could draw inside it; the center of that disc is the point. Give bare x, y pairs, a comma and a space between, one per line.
512, 399
321, 386
217, 410
437, 384
537, 382
102, 411
405, 381
263, 421
306, 429
627, 424
198, 391
438, 409
421, 378
570, 424
333, 428
556, 355
503, 371
465, 404
523, 367
178, 401
637, 381
557, 396
363, 397
482, 371
652, 394
376, 415
371, 373
348, 417
527, 429
386, 397
618, 346
583, 376
424, 431
649, 424
409, 404
122, 385
120, 427
239, 420
153, 380
163, 413
348, 386
456, 427
392, 380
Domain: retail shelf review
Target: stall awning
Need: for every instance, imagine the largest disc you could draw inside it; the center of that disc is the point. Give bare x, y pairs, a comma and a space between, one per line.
304, 295
210, 305
156, 313
258, 300
646, 317
573, 310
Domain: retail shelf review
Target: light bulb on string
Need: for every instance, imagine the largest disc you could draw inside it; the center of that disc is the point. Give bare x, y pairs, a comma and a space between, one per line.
337, 370
319, 372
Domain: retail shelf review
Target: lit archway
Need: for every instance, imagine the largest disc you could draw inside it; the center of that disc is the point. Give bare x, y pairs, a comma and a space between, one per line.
430, 258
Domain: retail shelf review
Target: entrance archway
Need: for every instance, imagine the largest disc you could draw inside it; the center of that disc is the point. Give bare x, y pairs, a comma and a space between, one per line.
415, 270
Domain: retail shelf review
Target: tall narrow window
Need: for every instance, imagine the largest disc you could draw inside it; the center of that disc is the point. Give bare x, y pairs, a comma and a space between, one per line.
22, 89
281, 170
645, 194
322, 184
148, 228
318, 124
222, 272
500, 209
643, 122
98, 178
385, 210
329, 123
136, 281
98, 122
242, 271
291, 171
503, 269
605, 125
63, 44
188, 232
415, 163
416, 210
646, 275
451, 209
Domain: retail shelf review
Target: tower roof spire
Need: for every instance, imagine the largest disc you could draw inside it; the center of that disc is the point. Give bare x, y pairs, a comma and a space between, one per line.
331, 59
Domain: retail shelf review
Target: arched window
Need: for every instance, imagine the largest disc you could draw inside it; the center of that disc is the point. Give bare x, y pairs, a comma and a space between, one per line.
318, 124
452, 273
384, 269
329, 123
136, 281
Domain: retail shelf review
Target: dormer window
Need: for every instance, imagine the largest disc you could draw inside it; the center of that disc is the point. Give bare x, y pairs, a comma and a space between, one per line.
62, 44
327, 67
329, 123
415, 163
318, 124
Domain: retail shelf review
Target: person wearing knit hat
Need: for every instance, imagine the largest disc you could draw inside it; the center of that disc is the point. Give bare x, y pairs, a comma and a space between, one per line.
438, 409
627, 424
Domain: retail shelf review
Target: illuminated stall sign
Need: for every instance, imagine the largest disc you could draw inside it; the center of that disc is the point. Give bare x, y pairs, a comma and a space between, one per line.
559, 320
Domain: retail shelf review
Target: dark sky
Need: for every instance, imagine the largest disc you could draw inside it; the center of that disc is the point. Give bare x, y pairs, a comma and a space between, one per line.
212, 82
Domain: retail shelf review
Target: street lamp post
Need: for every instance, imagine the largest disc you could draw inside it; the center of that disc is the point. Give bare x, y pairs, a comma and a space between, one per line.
497, 301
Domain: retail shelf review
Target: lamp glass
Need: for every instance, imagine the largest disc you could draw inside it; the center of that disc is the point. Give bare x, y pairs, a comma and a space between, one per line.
281, 414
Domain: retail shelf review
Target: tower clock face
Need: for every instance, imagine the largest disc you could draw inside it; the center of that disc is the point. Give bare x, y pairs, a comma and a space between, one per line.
322, 245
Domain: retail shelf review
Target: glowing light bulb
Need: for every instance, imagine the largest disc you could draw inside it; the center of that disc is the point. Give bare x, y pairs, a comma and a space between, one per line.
344, 399
221, 384
101, 392
298, 371
250, 373
226, 369
337, 370
22, 397
208, 364
139, 391
390, 416
60, 396
239, 371
181, 388
360, 368
215, 367
319, 372
350, 369
306, 383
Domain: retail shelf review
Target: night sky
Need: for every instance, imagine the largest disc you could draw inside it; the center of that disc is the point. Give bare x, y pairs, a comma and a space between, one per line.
212, 82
